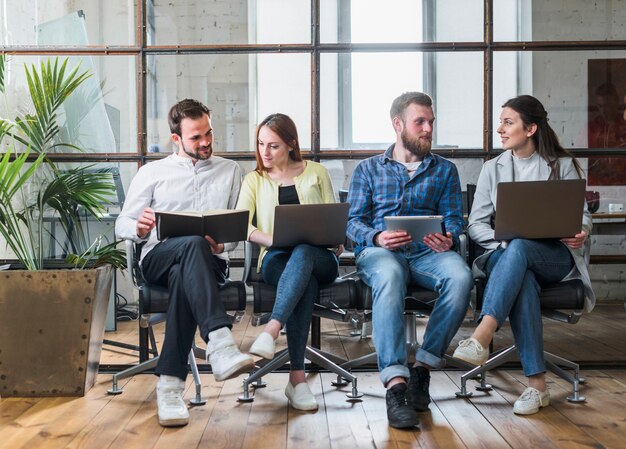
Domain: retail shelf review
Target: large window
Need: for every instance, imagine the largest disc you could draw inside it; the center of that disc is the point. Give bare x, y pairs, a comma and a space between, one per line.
333, 65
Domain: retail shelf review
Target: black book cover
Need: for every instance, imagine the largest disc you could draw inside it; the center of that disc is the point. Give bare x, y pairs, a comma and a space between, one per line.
222, 225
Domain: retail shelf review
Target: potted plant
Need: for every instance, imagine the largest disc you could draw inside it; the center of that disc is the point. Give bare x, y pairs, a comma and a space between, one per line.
52, 313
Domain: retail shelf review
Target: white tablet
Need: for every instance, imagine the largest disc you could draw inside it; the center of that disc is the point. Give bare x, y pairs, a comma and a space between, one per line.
417, 226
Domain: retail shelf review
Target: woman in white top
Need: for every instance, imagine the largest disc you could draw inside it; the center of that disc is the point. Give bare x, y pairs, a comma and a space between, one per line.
518, 269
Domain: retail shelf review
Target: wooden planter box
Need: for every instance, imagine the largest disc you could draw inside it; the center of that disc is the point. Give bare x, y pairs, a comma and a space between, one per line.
51, 330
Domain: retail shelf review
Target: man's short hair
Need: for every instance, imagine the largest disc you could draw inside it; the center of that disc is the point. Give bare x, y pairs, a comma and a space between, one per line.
400, 104
186, 108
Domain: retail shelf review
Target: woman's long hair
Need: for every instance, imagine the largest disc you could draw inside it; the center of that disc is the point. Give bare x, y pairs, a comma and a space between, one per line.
286, 129
545, 139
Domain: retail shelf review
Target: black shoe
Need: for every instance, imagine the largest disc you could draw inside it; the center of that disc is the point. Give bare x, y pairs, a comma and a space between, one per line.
399, 411
419, 382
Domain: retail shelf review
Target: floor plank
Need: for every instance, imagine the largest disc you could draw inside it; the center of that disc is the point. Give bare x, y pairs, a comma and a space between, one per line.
486, 420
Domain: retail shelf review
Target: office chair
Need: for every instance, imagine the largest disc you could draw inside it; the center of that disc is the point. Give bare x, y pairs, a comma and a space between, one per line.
333, 300
153, 304
562, 301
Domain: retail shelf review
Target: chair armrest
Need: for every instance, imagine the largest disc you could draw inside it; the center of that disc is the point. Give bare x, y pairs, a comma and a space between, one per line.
247, 261
130, 261
462, 249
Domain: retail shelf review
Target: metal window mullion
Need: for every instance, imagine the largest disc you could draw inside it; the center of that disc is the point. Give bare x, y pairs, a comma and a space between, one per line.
315, 80
488, 80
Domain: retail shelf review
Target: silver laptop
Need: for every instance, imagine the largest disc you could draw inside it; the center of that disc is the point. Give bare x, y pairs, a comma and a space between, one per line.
315, 224
539, 209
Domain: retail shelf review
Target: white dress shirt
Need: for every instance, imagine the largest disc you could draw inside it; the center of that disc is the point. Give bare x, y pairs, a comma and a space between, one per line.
175, 184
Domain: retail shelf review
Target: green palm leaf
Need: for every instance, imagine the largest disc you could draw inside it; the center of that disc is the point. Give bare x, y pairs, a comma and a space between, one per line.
69, 196
48, 91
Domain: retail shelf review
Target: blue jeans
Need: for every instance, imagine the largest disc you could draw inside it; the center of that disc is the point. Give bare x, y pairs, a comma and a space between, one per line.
516, 275
297, 274
388, 273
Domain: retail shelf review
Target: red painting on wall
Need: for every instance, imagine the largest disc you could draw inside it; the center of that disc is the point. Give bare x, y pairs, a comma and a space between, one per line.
606, 126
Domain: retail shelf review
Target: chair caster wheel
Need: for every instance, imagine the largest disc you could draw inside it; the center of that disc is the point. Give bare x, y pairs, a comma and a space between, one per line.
340, 382
354, 397
460, 394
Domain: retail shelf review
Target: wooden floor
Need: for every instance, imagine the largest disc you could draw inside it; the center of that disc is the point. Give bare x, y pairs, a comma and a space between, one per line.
486, 420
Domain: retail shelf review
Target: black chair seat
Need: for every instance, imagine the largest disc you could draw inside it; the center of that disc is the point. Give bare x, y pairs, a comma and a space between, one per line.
564, 295
155, 299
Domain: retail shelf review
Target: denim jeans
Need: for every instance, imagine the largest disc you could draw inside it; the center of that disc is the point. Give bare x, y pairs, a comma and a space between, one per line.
388, 273
516, 275
297, 274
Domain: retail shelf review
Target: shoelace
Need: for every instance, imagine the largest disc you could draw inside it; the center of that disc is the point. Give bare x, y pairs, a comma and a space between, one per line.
399, 398
530, 394
470, 343
227, 351
171, 397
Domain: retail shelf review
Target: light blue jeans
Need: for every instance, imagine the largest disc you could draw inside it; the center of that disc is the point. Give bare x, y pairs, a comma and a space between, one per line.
388, 273
297, 275
516, 275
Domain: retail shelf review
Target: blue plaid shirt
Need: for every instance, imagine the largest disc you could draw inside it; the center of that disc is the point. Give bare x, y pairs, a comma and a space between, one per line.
381, 187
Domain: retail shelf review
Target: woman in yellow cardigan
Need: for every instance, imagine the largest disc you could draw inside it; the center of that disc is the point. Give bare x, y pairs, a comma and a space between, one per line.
282, 177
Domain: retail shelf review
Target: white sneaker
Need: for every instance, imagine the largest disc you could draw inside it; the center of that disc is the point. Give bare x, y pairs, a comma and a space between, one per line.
264, 346
172, 410
300, 397
471, 351
531, 401
225, 358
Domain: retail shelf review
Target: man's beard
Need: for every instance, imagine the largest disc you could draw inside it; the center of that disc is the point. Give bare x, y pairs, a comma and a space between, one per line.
196, 154
415, 146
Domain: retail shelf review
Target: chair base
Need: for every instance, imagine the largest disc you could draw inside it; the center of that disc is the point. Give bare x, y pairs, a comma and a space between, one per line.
151, 364
320, 358
554, 363
412, 345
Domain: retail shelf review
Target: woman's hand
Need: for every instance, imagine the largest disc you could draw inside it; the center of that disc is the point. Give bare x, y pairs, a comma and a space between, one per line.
261, 238
339, 250
577, 241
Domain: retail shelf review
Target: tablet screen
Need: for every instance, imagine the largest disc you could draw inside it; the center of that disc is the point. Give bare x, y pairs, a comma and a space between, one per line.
417, 226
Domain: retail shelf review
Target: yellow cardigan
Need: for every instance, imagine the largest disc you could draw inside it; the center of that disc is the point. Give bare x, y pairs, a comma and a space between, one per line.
259, 195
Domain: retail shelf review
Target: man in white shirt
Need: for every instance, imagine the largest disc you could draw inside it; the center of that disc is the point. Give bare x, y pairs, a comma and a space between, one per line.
191, 267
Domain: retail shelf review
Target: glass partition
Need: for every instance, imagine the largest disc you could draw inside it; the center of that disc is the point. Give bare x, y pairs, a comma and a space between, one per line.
559, 20
407, 21
357, 91
100, 116
239, 89
229, 22
68, 22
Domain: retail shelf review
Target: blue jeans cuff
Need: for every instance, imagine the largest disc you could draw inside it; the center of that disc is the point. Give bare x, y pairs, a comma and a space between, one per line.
428, 359
393, 371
